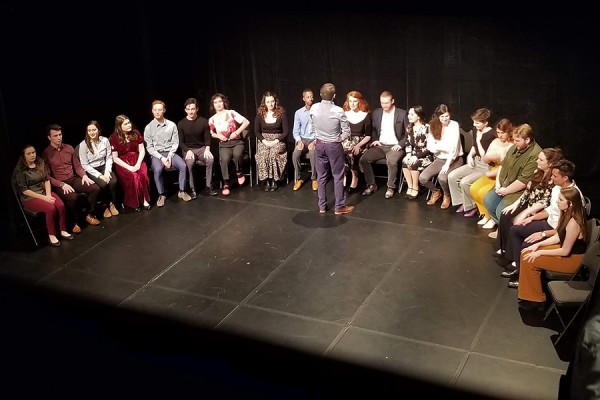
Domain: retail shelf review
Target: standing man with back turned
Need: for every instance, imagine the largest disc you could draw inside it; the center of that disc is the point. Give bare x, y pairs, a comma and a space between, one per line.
331, 128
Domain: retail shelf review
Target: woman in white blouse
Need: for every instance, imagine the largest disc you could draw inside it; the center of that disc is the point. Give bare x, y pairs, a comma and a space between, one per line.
227, 127
96, 159
443, 141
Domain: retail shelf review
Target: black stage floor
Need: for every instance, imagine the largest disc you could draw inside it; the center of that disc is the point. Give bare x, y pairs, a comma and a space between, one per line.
397, 287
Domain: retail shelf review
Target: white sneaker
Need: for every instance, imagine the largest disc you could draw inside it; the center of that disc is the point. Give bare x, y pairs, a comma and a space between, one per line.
483, 221
493, 235
489, 225
499, 251
184, 196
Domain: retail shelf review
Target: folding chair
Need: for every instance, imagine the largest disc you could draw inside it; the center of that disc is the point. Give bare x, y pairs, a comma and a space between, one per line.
593, 228
587, 204
400, 178
27, 214
574, 293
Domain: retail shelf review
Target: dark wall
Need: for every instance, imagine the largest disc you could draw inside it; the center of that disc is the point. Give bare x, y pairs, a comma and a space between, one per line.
69, 65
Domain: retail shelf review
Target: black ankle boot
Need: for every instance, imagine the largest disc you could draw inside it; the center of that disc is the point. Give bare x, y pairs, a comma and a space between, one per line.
273, 185
267, 185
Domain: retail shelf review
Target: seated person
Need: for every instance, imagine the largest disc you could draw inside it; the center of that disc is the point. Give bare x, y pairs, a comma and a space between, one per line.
194, 141
388, 140
444, 143
304, 140
561, 252
227, 126
513, 174
162, 142
271, 130
541, 224
536, 197
417, 156
95, 156
32, 182
461, 179
493, 156
359, 117
128, 152
68, 178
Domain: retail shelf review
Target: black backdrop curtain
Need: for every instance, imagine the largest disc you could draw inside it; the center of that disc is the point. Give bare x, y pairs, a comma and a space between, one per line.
70, 64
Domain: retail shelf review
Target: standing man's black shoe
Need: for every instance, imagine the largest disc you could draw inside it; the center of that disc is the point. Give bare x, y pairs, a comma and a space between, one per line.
193, 194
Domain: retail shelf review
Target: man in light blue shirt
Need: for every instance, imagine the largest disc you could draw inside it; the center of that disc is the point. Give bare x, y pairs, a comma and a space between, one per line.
162, 141
330, 126
304, 141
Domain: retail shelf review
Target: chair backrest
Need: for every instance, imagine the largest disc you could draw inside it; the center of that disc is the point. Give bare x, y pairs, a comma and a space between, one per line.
591, 260
466, 140
587, 204
77, 151
593, 228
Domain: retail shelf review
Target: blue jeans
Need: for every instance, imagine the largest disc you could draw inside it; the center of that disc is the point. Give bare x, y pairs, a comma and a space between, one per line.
494, 204
158, 168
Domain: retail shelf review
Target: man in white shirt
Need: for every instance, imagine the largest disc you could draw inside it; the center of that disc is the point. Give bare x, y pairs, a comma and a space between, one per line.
388, 141
540, 225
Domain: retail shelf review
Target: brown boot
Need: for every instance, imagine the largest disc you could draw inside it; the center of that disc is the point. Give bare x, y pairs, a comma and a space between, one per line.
446, 202
435, 196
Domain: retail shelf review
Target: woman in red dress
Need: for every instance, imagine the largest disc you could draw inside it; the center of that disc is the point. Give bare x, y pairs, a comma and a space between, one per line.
128, 151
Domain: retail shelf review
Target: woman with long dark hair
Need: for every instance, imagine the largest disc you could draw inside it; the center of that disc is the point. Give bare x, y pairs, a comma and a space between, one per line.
561, 252
32, 182
444, 143
96, 159
128, 151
